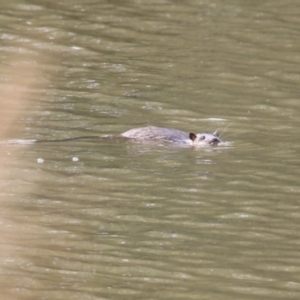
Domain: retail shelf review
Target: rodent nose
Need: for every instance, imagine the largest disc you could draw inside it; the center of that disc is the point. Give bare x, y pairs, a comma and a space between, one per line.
215, 141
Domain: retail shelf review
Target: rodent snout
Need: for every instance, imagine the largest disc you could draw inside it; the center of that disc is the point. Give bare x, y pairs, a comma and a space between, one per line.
215, 141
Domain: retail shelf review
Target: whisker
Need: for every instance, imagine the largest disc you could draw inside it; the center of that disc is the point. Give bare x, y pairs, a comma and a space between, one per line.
223, 131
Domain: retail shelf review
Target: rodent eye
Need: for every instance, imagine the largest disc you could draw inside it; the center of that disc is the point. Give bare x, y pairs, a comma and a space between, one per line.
202, 138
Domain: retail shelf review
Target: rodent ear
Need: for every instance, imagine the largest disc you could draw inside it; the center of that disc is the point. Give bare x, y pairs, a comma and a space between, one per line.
216, 133
192, 136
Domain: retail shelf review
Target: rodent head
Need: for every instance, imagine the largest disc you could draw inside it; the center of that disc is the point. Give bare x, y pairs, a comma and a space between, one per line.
201, 139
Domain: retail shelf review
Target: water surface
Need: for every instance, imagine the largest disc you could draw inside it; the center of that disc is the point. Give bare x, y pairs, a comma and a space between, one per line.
109, 219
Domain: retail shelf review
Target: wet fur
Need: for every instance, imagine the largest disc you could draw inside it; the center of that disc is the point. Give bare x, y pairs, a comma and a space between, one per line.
172, 135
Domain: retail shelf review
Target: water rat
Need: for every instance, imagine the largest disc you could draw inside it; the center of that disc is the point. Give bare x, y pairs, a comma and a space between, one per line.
172, 136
